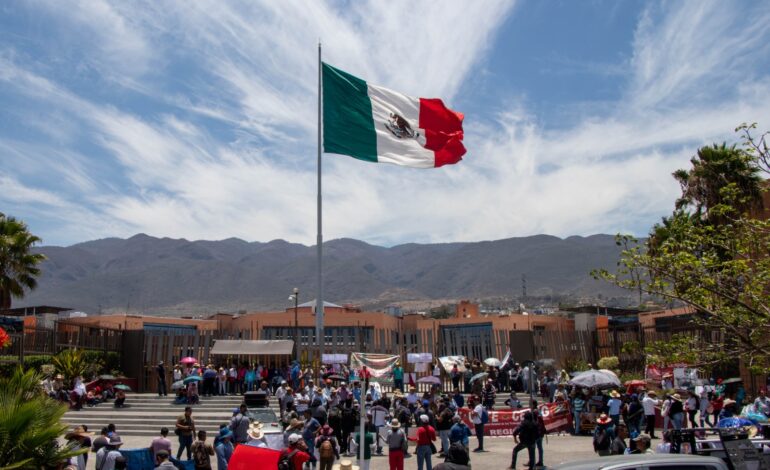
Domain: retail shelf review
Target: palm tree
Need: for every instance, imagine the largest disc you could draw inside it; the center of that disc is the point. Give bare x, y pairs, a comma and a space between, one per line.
18, 265
30, 424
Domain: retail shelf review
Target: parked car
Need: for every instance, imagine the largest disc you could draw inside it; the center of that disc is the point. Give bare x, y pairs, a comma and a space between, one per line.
647, 462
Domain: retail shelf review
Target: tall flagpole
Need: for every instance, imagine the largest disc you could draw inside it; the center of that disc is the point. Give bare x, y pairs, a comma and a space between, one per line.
319, 303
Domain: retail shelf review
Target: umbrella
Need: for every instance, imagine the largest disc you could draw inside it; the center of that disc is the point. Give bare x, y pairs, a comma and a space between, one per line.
188, 360
595, 378
192, 378
492, 361
429, 380
481, 376
335, 377
177, 385
123, 387
107, 377
635, 383
734, 422
732, 380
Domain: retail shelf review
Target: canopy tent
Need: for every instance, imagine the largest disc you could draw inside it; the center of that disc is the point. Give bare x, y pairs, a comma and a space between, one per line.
252, 347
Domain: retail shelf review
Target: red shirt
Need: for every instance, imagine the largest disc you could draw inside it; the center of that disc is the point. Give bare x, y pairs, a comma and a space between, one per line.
425, 435
299, 458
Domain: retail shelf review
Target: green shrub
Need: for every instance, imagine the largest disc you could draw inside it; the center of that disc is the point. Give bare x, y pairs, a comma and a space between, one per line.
609, 362
574, 364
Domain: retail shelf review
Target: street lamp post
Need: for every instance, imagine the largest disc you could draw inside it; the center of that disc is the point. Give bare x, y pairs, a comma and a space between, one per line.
295, 298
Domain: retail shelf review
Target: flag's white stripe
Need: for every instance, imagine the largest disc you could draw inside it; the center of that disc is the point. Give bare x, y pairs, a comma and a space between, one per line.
391, 149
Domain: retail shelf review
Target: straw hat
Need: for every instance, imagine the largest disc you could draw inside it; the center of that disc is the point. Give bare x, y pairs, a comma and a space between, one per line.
78, 432
255, 430
728, 401
395, 424
603, 419
295, 424
614, 394
676, 397
345, 465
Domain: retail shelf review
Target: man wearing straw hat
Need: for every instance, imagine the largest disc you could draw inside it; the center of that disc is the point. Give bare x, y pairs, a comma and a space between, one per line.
107, 455
345, 465
78, 436
223, 448
649, 403
397, 445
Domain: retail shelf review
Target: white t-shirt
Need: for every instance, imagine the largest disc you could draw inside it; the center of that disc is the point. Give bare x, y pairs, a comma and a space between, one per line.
649, 404
476, 417
436, 371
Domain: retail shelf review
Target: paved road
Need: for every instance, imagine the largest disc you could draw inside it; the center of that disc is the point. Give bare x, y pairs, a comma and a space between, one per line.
558, 449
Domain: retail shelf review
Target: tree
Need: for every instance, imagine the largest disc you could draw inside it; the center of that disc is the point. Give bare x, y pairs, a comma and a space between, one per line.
712, 254
30, 424
73, 363
18, 265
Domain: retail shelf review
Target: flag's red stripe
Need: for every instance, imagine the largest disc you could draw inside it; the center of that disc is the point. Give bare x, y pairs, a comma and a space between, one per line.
443, 131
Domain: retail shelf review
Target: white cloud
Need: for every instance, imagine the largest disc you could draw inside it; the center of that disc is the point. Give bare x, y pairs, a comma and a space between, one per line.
256, 75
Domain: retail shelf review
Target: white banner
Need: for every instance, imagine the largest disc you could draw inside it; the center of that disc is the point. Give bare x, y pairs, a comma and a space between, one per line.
416, 358
449, 361
335, 358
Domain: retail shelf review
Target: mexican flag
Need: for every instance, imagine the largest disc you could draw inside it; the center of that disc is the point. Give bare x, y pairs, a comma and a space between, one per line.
372, 123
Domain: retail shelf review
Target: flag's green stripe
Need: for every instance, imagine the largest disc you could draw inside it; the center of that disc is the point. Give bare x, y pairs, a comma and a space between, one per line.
348, 126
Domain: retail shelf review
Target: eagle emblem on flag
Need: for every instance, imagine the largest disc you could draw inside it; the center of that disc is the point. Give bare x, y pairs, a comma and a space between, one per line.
400, 128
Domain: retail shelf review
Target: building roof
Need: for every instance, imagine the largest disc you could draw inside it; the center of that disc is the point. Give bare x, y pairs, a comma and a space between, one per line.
33, 310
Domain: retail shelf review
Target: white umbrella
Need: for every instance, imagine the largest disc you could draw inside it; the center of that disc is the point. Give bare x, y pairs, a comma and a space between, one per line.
430, 380
595, 378
177, 385
493, 362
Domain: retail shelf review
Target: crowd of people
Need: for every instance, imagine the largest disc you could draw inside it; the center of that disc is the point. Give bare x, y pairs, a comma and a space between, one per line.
76, 395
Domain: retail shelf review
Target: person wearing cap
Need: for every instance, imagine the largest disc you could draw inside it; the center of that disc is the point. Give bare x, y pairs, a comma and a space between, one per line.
426, 435
162, 461
642, 442
327, 453
107, 455
397, 445
160, 443
459, 432
223, 447
614, 405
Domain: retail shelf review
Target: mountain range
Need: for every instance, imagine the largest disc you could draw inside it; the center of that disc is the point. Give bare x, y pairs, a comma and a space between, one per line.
176, 276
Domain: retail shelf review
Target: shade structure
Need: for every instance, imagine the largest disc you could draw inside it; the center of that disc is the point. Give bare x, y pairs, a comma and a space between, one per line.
123, 387
188, 360
252, 347
595, 378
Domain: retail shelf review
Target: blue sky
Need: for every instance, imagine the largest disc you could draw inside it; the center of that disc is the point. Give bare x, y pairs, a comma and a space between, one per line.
197, 119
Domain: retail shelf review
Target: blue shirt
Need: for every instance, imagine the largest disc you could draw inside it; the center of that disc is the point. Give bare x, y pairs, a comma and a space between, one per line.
224, 451
459, 432
311, 426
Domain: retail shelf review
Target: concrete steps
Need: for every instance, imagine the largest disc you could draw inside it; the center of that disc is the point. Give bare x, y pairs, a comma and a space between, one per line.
146, 413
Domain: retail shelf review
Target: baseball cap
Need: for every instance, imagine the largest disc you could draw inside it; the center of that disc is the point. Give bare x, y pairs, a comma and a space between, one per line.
294, 438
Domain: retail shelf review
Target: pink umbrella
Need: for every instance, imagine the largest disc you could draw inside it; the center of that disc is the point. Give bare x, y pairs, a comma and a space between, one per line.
188, 360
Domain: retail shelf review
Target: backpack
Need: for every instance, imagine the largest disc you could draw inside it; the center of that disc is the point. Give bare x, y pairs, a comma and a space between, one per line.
326, 450
285, 462
484, 416
602, 440
404, 416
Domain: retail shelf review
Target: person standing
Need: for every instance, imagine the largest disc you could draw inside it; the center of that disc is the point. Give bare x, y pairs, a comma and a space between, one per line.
202, 452
309, 430
692, 407
613, 406
185, 428
224, 448
425, 437
537, 417
161, 369
578, 403
397, 445
107, 455
367, 440
525, 437
163, 462
477, 417
459, 432
239, 425
649, 403
443, 425
603, 435
328, 449
761, 403
618, 446
296, 453
676, 411
160, 443
398, 377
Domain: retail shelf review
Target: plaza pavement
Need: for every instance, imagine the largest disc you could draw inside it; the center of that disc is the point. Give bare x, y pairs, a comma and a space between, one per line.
557, 449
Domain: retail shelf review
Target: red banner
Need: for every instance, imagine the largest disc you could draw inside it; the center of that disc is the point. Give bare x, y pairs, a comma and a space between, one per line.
556, 416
